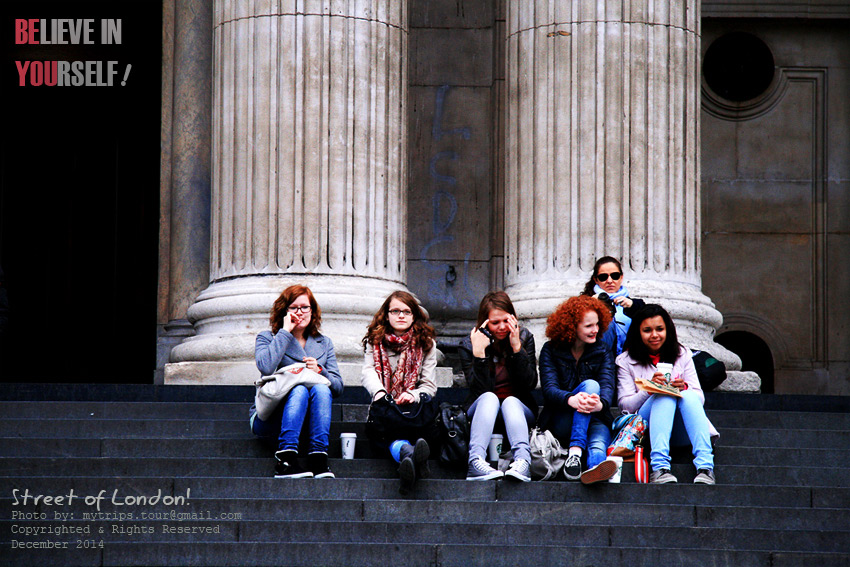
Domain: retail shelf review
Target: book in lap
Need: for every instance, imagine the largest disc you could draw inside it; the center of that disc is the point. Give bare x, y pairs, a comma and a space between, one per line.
653, 388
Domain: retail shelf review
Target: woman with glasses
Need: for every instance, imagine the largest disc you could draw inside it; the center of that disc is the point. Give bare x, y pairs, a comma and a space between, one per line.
500, 365
400, 366
294, 338
577, 378
607, 278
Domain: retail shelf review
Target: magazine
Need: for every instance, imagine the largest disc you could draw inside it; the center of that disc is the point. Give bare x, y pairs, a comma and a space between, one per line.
653, 388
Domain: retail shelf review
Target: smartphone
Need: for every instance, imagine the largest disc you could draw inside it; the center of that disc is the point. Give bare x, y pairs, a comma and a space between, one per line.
487, 333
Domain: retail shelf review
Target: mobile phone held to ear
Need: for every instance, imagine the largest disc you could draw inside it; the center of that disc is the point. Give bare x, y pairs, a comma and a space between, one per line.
487, 333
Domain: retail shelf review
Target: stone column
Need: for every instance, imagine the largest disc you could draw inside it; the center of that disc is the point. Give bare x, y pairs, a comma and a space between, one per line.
309, 174
185, 173
602, 144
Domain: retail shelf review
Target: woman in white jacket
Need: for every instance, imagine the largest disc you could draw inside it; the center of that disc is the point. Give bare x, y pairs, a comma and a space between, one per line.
672, 420
400, 364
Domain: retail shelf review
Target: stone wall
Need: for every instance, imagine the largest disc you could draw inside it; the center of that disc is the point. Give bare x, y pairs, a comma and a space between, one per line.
455, 83
776, 201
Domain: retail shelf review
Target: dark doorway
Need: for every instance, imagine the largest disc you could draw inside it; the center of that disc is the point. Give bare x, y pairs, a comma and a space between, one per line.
79, 199
755, 355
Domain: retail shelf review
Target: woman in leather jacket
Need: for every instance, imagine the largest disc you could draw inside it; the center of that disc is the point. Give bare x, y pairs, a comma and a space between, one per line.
578, 379
499, 363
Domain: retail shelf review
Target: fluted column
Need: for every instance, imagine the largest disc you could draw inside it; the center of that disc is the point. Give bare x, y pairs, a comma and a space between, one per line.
602, 146
309, 168
184, 264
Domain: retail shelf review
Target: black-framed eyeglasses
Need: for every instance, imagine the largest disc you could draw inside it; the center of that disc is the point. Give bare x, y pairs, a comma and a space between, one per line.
604, 277
299, 309
397, 312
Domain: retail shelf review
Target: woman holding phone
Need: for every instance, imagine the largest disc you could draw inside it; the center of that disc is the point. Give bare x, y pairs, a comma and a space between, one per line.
294, 337
399, 366
672, 420
499, 363
607, 278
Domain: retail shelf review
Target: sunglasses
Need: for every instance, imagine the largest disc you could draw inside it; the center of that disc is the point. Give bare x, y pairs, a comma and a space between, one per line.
604, 277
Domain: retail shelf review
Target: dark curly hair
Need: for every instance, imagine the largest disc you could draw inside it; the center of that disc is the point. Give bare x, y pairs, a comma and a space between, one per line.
634, 343
588, 287
283, 302
423, 333
561, 325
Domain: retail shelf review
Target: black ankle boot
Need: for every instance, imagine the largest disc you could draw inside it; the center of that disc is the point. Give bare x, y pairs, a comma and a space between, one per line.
421, 452
318, 464
407, 473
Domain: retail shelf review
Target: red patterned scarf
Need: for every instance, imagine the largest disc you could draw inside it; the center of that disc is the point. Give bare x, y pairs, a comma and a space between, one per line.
406, 374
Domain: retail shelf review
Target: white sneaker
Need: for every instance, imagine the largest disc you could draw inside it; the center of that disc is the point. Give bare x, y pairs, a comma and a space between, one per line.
479, 469
520, 470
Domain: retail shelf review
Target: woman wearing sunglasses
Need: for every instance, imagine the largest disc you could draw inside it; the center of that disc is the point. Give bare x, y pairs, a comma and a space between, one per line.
295, 320
400, 366
676, 421
500, 365
608, 278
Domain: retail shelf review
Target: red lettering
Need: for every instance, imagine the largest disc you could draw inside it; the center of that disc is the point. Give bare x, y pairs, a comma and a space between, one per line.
20, 31
33, 30
22, 71
36, 73
50, 73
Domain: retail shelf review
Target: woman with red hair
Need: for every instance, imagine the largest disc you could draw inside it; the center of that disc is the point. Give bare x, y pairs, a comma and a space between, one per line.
577, 377
295, 320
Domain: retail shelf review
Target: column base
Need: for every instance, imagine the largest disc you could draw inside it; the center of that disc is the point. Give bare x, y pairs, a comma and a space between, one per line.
229, 314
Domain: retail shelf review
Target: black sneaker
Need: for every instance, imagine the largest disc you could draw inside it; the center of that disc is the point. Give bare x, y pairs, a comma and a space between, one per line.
572, 468
318, 465
287, 466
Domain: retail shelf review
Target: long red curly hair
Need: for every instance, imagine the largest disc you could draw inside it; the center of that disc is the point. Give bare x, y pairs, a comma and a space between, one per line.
562, 323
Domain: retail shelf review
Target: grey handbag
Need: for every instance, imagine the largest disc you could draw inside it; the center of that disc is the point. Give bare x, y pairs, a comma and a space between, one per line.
272, 389
547, 455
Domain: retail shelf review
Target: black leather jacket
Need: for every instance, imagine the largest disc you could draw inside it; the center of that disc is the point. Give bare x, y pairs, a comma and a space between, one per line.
480, 373
559, 376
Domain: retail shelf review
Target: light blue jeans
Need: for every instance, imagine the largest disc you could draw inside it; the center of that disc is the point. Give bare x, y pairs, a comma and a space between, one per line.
517, 418
312, 405
678, 422
584, 430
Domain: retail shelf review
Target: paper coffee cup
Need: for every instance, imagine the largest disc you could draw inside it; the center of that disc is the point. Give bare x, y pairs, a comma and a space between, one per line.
495, 447
348, 440
619, 474
666, 369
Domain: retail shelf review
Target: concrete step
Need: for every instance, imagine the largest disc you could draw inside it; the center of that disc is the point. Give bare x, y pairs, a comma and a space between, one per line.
749, 496
254, 448
259, 554
346, 412
288, 531
372, 468
520, 512
239, 429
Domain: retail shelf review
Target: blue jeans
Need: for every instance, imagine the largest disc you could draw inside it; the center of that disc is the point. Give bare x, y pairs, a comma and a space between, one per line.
288, 418
583, 430
677, 422
484, 412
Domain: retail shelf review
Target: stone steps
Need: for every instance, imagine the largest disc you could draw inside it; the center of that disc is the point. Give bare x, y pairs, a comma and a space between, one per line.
779, 501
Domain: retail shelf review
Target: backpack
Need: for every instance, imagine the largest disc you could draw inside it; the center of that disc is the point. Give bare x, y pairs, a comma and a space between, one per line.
547, 455
710, 371
454, 435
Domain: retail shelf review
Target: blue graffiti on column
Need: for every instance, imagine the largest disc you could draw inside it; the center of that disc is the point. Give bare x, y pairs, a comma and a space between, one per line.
442, 278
